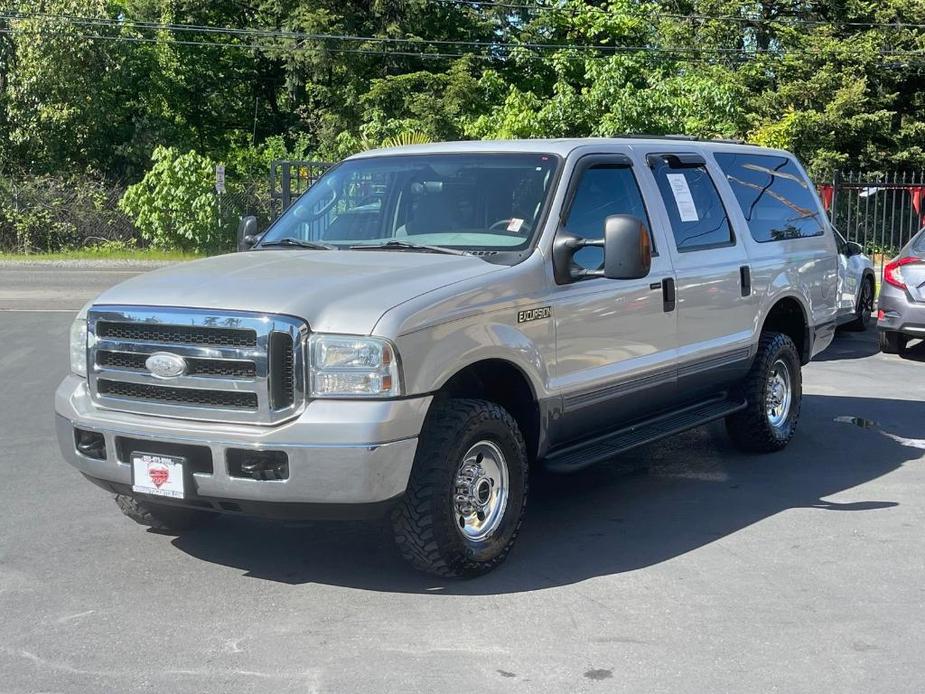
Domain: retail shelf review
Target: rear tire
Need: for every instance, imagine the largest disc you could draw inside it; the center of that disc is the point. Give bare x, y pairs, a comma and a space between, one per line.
892, 342
773, 390
466, 498
865, 307
160, 516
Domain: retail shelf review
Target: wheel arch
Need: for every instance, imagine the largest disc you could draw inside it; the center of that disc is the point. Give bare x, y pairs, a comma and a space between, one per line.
505, 383
789, 316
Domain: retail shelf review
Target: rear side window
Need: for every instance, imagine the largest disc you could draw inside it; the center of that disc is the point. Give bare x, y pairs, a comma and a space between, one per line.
698, 218
775, 197
603, 190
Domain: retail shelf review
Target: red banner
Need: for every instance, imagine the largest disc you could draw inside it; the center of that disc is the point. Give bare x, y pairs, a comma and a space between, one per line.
917, 193
826, 191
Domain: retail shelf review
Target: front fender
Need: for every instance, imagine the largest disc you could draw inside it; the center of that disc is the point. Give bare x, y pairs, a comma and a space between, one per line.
432, 356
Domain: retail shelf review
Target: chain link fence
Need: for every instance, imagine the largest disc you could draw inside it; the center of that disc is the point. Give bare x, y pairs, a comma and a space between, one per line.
47, 214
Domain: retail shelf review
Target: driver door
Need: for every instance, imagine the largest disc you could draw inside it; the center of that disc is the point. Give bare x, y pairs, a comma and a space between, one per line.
615, 339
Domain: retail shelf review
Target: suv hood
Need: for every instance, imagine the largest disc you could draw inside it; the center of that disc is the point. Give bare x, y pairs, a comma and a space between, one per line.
335, 291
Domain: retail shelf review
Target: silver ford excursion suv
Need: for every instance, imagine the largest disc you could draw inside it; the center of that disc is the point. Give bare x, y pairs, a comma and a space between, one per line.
427, 325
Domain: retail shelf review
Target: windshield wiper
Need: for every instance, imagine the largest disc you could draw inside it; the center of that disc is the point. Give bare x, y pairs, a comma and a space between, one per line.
290, 242
394, 245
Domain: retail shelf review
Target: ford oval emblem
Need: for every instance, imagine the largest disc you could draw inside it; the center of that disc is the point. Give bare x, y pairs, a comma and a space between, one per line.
166, 365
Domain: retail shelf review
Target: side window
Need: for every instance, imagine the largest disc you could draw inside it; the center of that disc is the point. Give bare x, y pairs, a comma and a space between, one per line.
603, 190
775, 197
698, 218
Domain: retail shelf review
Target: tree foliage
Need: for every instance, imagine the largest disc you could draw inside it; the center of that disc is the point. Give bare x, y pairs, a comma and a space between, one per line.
840, 82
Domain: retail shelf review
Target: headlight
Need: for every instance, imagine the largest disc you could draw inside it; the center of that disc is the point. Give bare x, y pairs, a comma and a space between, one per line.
79, 347
350, 367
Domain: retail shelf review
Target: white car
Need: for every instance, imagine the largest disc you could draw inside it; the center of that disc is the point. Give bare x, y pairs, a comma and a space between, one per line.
856, 284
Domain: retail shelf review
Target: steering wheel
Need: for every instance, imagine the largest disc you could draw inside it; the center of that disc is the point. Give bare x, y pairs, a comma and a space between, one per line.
524, 226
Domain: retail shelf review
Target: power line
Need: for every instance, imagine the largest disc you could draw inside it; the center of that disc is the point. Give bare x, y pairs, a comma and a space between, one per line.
782, 19
404, 44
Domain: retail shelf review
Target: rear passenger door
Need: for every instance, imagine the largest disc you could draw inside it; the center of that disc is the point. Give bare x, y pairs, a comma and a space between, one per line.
716, 311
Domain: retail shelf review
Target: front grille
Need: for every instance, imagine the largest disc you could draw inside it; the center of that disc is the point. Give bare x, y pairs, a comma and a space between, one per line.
251, 372
177, 334
130, 361
223, 399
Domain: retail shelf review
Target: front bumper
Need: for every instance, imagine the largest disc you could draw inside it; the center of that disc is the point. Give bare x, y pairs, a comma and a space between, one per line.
340, 452
899, 313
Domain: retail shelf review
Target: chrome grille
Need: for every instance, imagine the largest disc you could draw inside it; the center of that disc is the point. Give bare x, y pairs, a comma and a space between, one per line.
239, 367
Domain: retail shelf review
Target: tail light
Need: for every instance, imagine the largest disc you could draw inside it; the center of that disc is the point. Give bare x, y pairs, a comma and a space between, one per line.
892, 271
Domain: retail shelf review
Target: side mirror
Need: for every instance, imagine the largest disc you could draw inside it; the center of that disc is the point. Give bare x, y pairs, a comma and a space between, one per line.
854, 248
247, 233
627, 251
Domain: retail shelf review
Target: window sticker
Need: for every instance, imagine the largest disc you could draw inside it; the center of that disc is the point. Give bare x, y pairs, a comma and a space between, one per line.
514, 225
682, 197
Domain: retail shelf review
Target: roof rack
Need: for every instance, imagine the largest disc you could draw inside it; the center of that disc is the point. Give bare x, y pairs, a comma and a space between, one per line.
685, 138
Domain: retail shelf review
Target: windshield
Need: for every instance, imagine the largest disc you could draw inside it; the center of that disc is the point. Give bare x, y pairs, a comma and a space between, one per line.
460, 201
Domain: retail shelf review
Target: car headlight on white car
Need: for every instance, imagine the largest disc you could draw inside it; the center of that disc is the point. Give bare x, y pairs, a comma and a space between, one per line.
343, 366
78, 346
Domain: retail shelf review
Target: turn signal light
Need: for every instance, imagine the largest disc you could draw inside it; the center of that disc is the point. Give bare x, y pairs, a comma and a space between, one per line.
892, 271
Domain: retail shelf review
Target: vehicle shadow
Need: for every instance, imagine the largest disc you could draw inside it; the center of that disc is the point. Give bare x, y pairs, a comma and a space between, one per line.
849, 344
915, 351
694, 489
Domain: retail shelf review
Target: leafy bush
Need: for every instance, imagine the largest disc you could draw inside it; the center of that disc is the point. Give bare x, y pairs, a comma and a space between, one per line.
175, 207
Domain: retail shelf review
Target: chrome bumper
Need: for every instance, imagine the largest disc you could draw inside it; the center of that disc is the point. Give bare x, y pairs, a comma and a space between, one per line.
340, 452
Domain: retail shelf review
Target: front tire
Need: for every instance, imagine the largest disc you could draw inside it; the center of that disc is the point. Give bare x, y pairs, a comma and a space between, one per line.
466, 498
161, 517
892, 342
773, 390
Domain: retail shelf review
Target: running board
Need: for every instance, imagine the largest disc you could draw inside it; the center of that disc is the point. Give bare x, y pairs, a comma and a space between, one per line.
600, 448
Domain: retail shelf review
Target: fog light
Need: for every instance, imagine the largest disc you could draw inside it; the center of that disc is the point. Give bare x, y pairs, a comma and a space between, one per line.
90, 444
258, 465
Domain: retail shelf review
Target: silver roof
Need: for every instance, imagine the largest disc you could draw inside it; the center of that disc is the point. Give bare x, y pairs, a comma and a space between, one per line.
564, 146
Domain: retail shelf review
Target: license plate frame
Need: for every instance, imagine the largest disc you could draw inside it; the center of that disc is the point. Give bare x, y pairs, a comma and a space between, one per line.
158, 474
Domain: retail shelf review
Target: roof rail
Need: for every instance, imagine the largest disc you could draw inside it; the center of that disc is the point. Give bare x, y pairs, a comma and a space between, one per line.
685, 138
643, 136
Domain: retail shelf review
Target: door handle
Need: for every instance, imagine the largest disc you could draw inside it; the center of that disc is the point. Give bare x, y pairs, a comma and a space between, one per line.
668, 295
745, 275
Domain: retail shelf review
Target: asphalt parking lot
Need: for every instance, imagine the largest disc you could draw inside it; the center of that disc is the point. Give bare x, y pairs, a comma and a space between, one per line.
685, 566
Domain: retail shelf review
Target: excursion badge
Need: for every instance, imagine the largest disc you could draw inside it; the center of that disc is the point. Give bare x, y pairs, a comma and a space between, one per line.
532, 314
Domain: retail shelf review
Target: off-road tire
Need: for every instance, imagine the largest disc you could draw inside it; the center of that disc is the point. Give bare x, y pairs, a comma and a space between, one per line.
892, 342
160, 516
750, 429
425, 524
863, 317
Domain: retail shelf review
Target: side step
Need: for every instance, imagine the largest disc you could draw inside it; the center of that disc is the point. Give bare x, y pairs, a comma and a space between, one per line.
600, 448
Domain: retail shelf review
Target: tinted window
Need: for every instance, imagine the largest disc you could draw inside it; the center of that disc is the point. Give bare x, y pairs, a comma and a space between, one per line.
602, 191
775, 197
698, 218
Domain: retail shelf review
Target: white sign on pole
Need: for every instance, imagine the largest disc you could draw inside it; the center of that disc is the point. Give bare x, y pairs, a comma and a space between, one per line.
220, 178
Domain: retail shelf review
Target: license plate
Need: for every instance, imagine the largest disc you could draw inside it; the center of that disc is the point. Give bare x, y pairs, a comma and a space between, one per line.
161, 475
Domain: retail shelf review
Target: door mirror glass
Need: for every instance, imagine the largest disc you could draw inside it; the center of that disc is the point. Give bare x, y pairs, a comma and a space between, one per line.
247, 233
853, 248
627, 248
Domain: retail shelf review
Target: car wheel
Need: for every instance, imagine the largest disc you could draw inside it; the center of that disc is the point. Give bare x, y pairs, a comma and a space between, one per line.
773, 390
161, 516
865, 306
466, 498
892, 342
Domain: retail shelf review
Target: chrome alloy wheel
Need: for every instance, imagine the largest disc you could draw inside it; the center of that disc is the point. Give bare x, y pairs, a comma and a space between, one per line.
480, 491
779, 393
